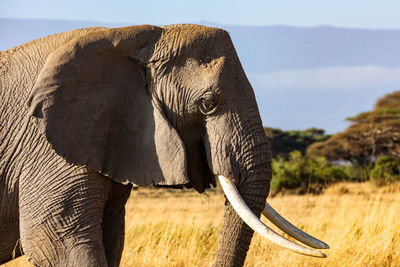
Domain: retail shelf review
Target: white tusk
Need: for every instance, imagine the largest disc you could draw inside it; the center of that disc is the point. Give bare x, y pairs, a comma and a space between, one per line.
256, 224
290, 229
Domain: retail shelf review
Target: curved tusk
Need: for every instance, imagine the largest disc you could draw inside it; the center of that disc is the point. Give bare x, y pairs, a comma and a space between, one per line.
256, 224
290, 229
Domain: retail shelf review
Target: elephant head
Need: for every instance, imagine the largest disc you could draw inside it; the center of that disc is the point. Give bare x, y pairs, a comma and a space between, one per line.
165, 105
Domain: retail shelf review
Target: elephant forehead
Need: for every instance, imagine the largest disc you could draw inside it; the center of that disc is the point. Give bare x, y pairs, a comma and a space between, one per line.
188, 39
196, 75
192, 33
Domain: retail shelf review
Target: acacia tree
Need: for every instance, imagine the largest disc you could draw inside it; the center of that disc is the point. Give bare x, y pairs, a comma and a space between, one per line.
371, 134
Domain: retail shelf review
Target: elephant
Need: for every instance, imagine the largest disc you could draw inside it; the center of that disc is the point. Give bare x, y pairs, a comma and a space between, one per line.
89, 113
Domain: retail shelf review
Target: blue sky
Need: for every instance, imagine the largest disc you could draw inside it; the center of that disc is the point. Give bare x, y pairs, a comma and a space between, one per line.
342, 13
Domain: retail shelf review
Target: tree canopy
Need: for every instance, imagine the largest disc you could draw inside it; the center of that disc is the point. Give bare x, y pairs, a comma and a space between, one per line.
284, 142
370, 134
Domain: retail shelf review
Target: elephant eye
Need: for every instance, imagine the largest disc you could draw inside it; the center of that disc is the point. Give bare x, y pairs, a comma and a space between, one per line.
208, 104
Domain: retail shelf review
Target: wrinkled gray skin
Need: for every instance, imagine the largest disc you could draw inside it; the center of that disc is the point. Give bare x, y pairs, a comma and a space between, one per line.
85, 114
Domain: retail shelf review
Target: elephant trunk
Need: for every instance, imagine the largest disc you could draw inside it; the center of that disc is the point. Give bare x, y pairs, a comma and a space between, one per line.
240, 151
242, 211
236, 234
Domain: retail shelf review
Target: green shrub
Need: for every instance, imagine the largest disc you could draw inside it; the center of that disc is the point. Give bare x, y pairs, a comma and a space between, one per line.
358, 173
285, 173
300, 171
321, 171
386, 170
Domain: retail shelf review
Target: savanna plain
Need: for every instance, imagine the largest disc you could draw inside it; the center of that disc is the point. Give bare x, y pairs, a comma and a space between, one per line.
360, 222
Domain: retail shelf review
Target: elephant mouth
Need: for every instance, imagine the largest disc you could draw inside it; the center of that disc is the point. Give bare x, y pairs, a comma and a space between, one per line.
247, 215
200, 175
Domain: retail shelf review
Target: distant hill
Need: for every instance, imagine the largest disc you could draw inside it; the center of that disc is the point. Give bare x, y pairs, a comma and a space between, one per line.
302, 77
276, 48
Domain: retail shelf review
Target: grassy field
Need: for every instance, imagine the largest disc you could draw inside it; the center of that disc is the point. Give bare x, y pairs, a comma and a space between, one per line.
360, 222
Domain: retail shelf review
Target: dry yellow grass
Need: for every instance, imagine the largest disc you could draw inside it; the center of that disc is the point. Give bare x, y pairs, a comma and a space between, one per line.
360, 222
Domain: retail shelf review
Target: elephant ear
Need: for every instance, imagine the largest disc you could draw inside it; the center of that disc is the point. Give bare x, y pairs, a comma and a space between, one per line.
92, 104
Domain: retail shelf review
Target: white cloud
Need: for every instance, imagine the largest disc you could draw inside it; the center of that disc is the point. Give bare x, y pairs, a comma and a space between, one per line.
328, 78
